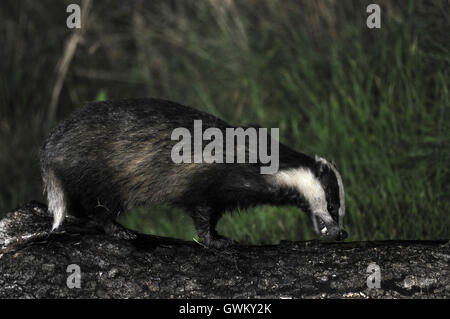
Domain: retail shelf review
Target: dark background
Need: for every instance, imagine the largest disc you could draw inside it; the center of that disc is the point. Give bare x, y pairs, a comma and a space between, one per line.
376, 101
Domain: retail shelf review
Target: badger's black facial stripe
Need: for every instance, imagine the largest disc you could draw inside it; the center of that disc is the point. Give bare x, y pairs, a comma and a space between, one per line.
330, 185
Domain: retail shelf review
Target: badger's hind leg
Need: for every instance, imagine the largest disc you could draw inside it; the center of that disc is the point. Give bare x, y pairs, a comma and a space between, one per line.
205, 222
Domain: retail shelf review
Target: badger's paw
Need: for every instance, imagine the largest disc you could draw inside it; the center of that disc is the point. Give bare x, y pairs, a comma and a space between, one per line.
116, 230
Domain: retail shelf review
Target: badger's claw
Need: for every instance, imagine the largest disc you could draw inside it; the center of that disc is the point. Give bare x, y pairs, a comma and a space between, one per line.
116, 230
217, 241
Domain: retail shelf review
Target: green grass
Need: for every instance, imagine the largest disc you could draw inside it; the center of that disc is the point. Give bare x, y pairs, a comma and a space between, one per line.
375, 101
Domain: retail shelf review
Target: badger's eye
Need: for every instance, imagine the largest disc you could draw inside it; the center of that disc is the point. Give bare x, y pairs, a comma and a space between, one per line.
331, 207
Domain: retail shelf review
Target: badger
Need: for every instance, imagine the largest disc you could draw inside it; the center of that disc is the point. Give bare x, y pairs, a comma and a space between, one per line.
108, 157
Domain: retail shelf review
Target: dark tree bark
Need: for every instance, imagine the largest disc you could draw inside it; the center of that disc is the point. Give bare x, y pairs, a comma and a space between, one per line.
33, 264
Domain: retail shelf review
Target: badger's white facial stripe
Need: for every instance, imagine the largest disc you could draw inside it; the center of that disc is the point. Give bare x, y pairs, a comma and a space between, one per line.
305, 182
309, 186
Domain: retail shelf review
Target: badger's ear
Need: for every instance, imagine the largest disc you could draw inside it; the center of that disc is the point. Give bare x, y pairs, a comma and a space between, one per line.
333, 164
320, 166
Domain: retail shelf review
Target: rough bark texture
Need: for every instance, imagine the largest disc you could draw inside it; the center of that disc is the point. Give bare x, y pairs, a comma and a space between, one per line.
33, 264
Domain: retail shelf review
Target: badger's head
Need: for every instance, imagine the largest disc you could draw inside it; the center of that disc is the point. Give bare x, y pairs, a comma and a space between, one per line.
320, 194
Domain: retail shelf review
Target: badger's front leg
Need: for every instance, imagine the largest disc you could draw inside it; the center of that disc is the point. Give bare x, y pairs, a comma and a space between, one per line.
205, 221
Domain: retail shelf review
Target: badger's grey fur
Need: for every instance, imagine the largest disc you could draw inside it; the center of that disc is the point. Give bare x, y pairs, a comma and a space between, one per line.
111, 156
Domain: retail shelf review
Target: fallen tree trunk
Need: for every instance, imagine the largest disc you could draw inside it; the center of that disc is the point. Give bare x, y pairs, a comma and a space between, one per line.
36, 264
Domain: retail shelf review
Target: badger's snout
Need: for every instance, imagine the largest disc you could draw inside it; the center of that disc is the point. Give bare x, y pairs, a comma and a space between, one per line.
330, 230
337, 233
341, 235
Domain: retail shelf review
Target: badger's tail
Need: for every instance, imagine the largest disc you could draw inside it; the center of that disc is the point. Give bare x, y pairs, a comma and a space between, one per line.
55, 197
